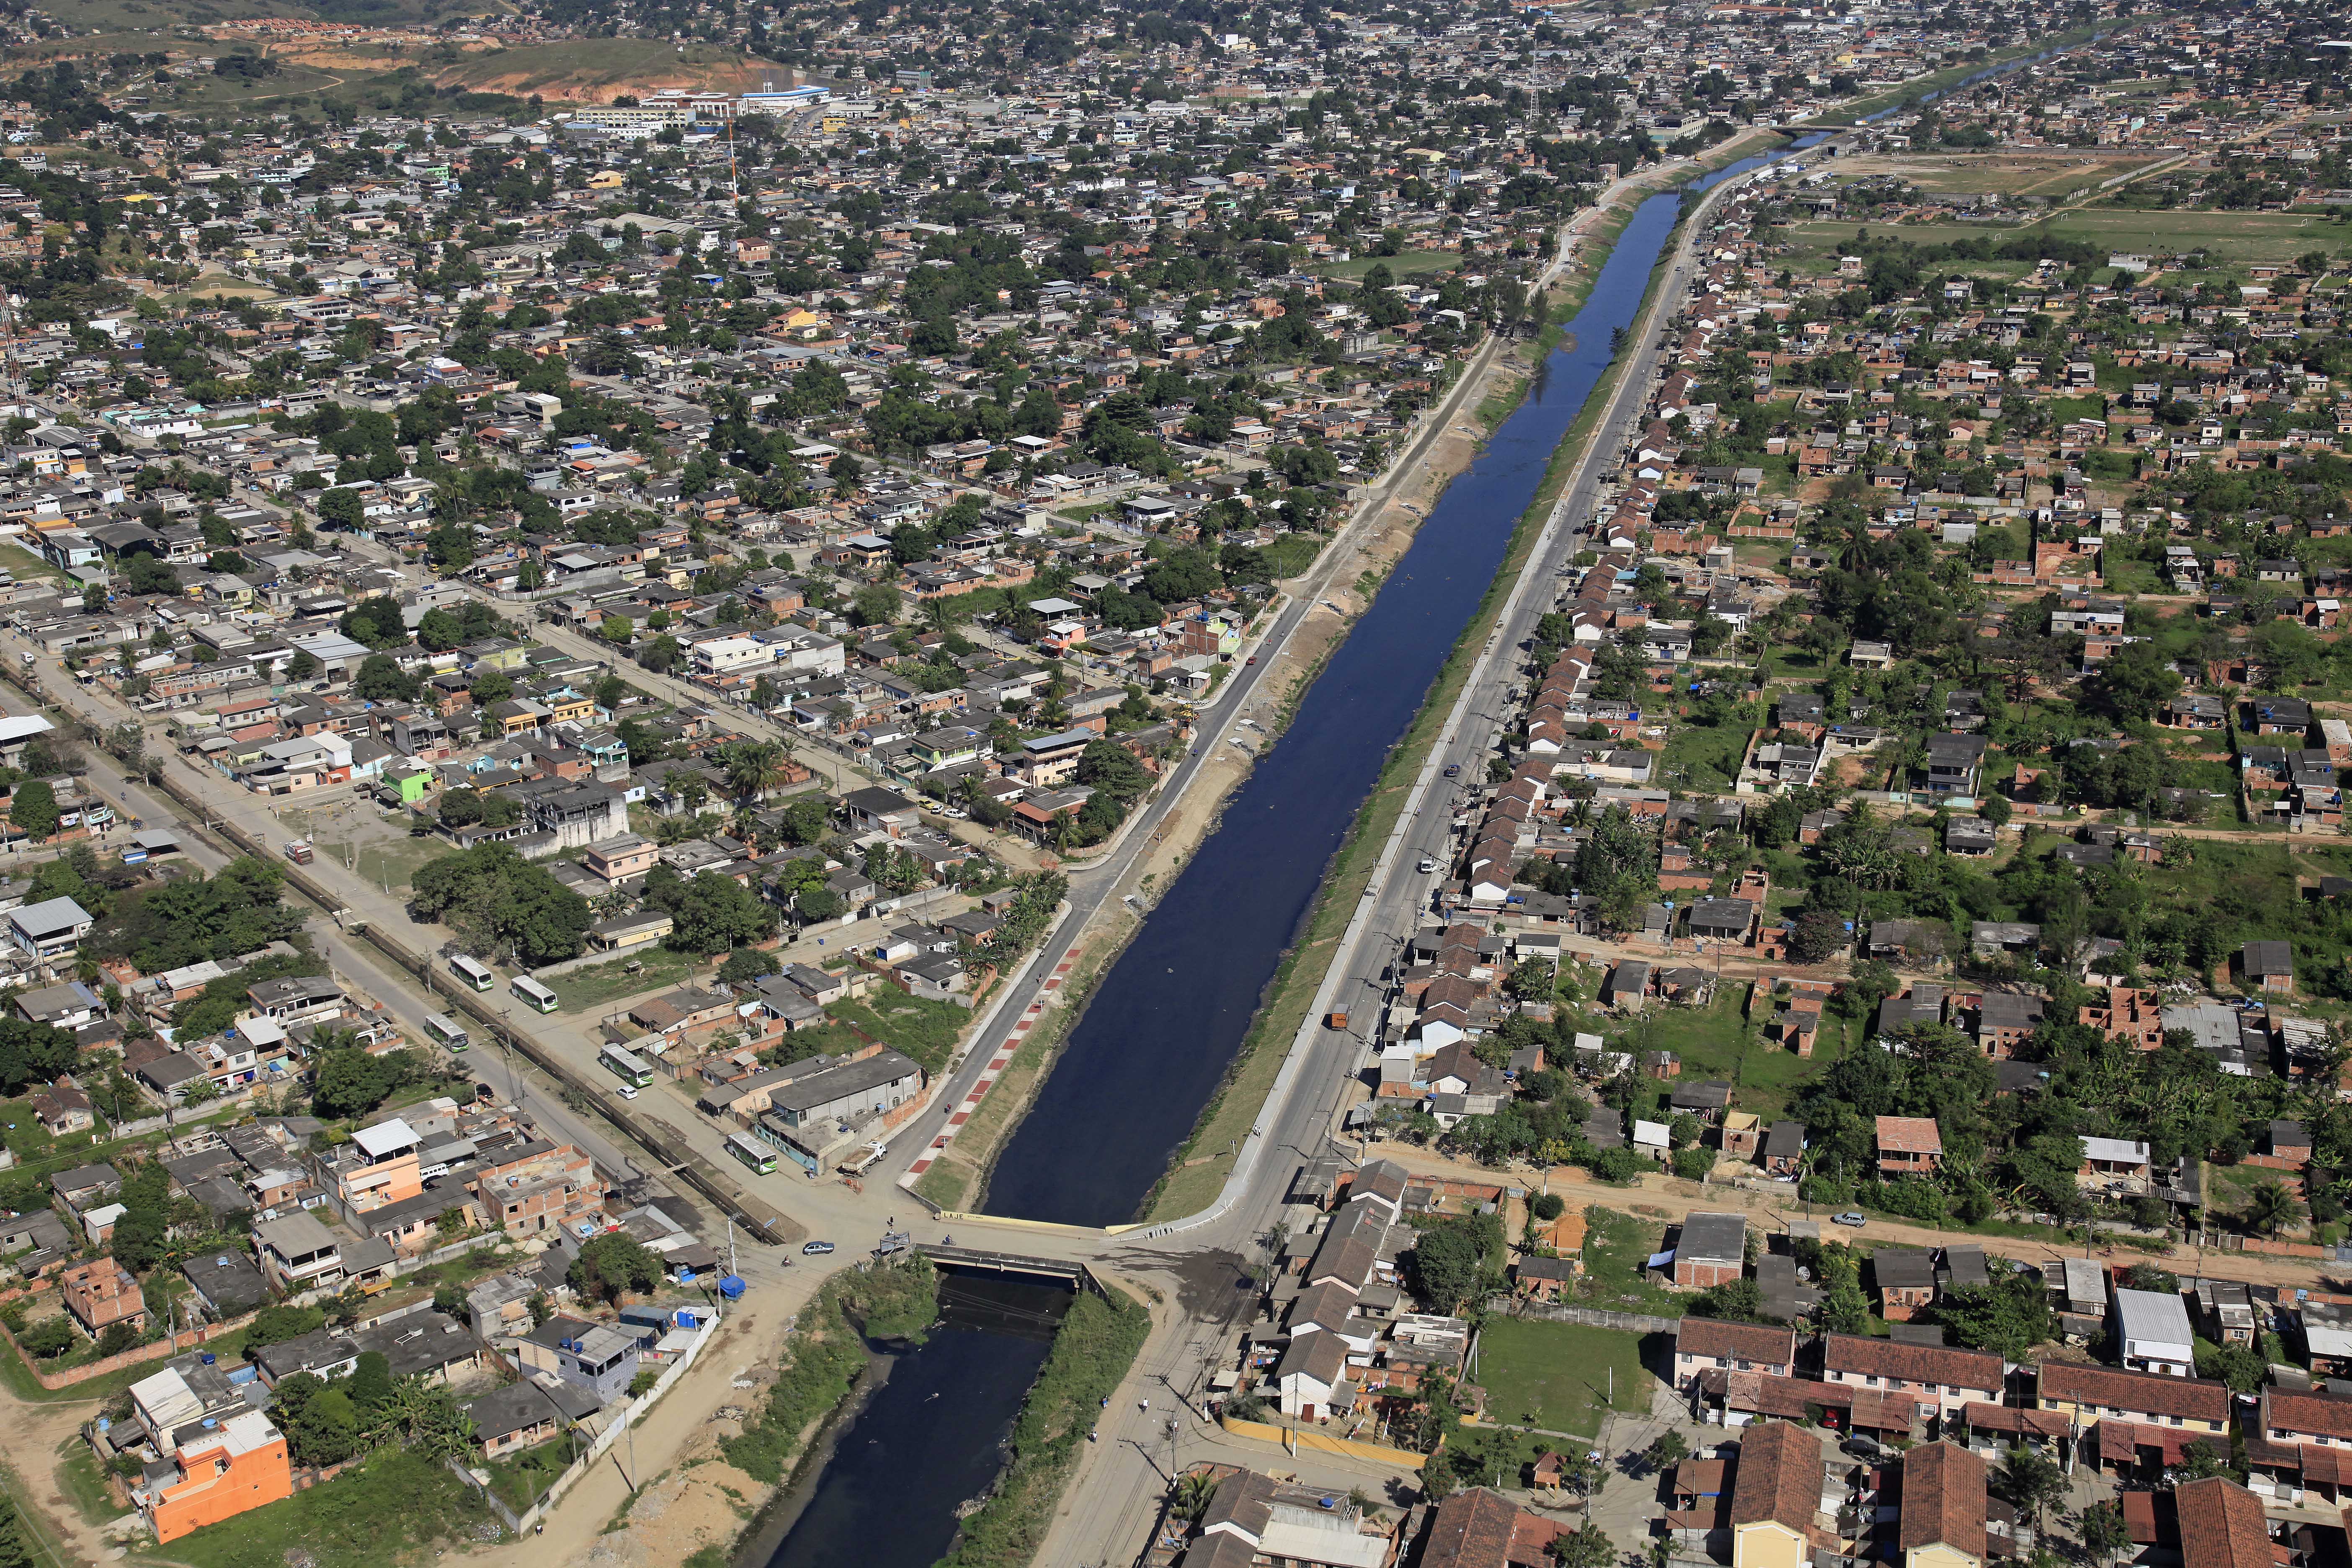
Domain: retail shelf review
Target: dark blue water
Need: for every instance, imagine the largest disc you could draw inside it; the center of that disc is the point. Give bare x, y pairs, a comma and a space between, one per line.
929, 1438
1170, 1015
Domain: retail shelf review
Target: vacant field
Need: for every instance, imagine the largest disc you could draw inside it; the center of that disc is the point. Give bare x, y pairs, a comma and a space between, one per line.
1558, 1376
593, 69
2056, 174
579, 990
1403, 264
154, 15
2234, 238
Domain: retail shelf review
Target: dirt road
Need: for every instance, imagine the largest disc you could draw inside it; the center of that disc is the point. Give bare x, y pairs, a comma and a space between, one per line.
1671, 1199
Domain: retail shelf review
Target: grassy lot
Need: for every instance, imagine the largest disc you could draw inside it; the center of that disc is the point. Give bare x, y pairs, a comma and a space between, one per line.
2232, 238
1556, 1375
202, 92
1497, 405
1292, 553
23, 564
20, 1381
923, 1029
1402, 265
1617, 1248
396, 1507
390, 862
600, 985
1720, 1041
83, 1481
2056, 174
520, 1479
1705, 758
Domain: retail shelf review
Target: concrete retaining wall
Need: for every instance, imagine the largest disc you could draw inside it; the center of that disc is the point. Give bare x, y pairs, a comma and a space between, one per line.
1592, 1317
1307, 1437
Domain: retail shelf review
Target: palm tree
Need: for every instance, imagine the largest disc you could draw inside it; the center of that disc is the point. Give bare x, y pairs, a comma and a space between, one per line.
1190, 1497
2270, 1207
745, 826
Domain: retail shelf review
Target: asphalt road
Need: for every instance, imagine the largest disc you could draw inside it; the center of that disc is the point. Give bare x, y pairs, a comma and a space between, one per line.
360, 963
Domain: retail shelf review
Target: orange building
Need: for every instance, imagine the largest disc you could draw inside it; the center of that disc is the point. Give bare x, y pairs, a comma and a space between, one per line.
239, 1464
2131, 1018
380, 1167
101, 1294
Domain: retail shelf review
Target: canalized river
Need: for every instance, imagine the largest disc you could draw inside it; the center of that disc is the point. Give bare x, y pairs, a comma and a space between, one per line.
1160, 1031
1171, 1014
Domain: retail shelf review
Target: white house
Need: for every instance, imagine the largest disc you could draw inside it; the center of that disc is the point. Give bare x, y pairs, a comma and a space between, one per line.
2153, 1333
50, 928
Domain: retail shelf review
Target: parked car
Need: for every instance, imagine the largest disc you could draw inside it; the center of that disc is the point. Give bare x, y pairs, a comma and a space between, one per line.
1428, 864
628, 1091
817, 1248
1454, 770
1851, 1217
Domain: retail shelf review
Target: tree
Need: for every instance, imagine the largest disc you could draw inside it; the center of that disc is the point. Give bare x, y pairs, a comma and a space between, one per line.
1449, 1258
612, 1265
756, 767
806, 819
321, 1422
370, 1383
34, 809
146, 1220
32, 1053
2031, 1479
2011, 1314
2239, 1366
1738, 1300
277, 1324
712, 912
617, 630
381, 679
352, 1081
491, 894
2270, 1207
1665, 1451
746, 965
2102, 1530
875, 605
1588, 1547
1181, 574
49, 1338
1547, 1206
377, 622
2131, 684
439, 631
342, 508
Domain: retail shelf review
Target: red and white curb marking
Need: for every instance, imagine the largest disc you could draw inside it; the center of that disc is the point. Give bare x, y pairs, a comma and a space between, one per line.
991, 1073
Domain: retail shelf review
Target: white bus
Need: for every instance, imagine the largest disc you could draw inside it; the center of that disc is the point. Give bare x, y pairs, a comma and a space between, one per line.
757, 1155
626, 1066
475, 974
540, 997
442, 1030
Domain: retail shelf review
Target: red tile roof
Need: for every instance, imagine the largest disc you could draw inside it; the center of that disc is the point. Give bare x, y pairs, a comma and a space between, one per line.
1863, 1356
1779, 1477
1943, 1499
2221, 1526
1910, 1134
1472, 1529
2134, 1393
